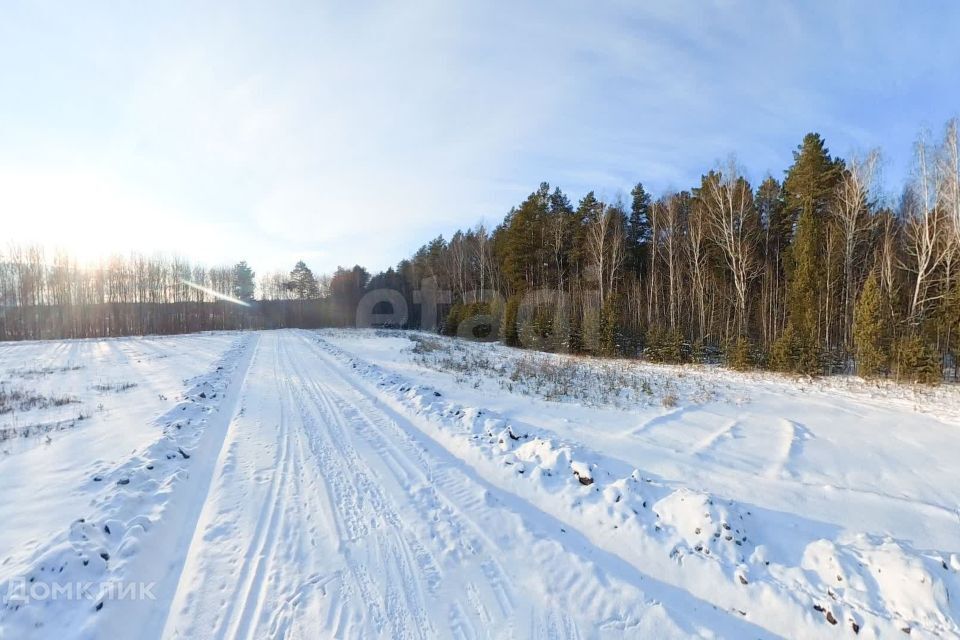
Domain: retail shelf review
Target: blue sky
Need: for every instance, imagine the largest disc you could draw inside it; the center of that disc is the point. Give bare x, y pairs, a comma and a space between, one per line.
353, 132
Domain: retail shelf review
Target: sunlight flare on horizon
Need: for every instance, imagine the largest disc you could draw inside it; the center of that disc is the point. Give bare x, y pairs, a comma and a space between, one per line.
216, 294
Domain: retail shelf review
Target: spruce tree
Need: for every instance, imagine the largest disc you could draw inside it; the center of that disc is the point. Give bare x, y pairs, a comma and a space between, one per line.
871, 330
243, 286
797, 350
563, 219
808, 187
675, 348
510, 330
952, 321
302, 282
522, 251
699, 352
609, 342
638, 228
653, 345
740, 355
454, 317
811, 180
917, 361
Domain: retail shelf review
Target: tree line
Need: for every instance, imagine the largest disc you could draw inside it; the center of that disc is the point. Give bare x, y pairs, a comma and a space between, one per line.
814, 273
47, 297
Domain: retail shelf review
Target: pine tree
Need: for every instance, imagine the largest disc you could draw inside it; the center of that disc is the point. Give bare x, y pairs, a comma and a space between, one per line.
638, 229
562, 231
808, 187
740, 355
510, 330
675, 349
243, 283
773, 216
917, 361
522, 249
797, 350
454, 317
302, 283
588, 211
345, 289
811, 179
609, 342
871, 330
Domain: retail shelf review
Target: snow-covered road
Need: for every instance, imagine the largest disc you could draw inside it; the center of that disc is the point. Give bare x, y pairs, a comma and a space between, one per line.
330, 514
300, 484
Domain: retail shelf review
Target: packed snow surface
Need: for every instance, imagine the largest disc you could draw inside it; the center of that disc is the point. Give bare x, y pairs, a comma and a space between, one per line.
387, 484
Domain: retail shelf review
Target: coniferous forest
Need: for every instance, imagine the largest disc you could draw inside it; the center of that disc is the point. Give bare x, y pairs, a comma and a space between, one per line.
813, 272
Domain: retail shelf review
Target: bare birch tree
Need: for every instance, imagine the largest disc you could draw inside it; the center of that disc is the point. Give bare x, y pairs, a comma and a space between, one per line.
950, 170
606, 250
852, 217
925, 226
732, 221
697, 234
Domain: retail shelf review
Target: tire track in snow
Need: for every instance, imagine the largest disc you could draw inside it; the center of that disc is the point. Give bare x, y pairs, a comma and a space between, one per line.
403, 607
444, 494
343, 520
575, 589
242, 559
432, 480
791, 446
251, 590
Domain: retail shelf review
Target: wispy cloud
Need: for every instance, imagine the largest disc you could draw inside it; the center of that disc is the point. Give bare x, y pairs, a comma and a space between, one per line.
350, 132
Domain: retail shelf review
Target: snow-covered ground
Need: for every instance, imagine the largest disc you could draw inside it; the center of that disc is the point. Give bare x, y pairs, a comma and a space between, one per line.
75, 490
384, 484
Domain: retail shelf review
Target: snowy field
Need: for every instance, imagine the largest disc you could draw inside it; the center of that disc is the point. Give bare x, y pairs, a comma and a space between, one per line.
383, 484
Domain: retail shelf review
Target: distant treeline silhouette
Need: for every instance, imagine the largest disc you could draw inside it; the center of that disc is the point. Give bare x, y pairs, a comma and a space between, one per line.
44, 297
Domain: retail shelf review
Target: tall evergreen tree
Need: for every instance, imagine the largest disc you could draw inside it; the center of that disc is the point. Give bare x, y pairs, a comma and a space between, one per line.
522, 248
638, 229
808, 187
871, 330
609, 339
812, 179
302, 283
560, 203
588, 211
797, 350
243, 283
510, 329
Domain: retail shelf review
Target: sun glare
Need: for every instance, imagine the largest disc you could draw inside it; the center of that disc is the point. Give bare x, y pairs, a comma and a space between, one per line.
87, 214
